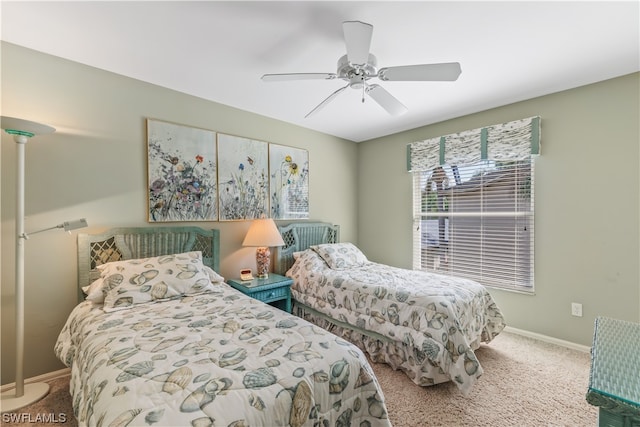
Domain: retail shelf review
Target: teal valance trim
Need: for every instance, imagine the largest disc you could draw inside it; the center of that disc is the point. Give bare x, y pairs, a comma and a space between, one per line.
484, 144
510, 141
535, 136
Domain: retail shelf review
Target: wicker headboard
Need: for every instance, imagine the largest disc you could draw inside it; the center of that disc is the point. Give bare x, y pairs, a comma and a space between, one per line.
298, 237
131, 243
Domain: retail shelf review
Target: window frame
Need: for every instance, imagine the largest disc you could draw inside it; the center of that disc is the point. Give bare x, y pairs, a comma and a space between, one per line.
504, 155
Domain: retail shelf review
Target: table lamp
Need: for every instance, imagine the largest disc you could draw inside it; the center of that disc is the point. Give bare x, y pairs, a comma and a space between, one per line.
263, 233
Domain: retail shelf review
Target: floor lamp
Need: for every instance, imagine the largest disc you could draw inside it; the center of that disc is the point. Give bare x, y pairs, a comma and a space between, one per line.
24, 395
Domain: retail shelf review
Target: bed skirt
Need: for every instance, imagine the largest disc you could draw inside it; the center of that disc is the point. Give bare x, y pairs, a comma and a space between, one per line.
412, 361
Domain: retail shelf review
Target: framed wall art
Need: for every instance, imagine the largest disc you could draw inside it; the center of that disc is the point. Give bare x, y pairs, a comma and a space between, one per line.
289, 182
244, 178
182, 173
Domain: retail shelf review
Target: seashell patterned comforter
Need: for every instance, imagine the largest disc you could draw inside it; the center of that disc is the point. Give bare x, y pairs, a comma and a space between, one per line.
214, 359
426, 324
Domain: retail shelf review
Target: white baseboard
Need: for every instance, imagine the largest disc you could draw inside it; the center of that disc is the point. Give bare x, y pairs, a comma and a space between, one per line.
548, 339
40, 378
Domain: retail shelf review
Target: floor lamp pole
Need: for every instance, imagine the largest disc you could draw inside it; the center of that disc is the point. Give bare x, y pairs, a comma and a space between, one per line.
21, 142
23, 395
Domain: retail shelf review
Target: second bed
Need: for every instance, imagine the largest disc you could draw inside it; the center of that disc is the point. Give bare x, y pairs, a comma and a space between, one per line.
428, 325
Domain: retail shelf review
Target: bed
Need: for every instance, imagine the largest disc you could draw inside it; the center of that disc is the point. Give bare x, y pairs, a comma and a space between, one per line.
159, 339
425, 324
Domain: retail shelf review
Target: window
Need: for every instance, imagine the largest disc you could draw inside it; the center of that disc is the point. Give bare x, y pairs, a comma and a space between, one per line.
476, 221
474, 215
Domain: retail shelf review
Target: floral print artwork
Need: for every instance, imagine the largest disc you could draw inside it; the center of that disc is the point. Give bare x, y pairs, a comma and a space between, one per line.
243, 177
289, 182
201, 175
181, 173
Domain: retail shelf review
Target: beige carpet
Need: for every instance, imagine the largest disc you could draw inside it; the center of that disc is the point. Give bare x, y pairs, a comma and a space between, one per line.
525, 383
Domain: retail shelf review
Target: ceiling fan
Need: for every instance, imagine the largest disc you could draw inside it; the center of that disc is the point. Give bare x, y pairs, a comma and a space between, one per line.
359, 66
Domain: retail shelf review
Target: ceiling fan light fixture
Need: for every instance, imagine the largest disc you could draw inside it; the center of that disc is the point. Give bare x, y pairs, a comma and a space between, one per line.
346, 68
357, 80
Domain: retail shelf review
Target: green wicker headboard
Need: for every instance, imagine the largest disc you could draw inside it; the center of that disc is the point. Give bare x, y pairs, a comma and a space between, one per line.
142, 242
299, 236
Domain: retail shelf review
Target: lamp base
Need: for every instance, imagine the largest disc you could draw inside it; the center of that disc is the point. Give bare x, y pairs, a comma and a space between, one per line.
263, 259
32, 393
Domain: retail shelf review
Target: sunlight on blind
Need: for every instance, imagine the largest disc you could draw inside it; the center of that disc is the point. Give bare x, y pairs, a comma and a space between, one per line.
476, 221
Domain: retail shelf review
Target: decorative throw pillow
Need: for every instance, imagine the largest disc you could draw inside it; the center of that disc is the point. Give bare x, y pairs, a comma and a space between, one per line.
97, 290
138, 281
340, 256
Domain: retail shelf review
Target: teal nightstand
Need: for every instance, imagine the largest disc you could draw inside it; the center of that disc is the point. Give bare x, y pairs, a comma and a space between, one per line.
274, 290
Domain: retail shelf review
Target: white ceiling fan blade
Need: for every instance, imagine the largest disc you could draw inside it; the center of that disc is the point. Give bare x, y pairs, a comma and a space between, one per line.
357, 37
298, 76
325, 102
447, 71
386, 100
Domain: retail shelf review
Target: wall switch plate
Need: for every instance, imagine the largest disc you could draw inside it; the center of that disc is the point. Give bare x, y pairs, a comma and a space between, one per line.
576, 309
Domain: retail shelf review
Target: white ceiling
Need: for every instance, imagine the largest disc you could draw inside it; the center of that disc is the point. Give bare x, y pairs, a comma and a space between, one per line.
508, 51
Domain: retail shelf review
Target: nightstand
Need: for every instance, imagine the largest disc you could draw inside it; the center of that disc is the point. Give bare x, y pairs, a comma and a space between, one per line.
274, 290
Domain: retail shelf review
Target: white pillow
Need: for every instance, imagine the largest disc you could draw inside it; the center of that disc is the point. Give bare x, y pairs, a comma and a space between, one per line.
95, 291
213, 276
124, 284
340, 256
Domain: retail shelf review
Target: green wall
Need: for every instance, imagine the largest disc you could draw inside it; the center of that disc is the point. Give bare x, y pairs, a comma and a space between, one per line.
94, 166
587, 196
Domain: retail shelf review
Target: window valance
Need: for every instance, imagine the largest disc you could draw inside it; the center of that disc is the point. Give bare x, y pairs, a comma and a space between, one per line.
514, 140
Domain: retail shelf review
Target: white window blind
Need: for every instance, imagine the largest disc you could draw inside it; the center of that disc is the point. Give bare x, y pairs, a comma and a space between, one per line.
473, 214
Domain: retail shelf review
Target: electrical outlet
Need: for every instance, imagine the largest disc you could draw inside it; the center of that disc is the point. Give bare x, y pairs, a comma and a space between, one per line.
576, 309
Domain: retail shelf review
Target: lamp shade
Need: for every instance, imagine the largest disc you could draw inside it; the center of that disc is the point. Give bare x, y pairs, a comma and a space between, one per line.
263, 233
28, 128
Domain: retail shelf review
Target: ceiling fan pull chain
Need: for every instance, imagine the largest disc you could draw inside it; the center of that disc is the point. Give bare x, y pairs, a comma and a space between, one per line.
365, 88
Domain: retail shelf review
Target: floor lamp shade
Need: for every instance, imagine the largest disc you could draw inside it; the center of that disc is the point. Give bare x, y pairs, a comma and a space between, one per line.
263, 233
23, 395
